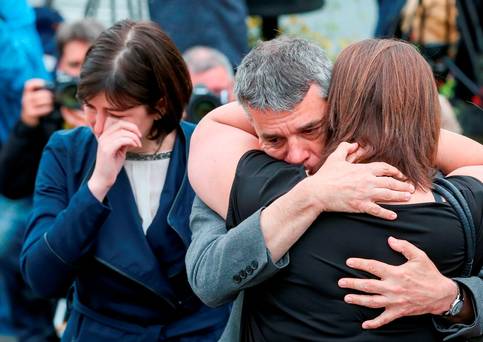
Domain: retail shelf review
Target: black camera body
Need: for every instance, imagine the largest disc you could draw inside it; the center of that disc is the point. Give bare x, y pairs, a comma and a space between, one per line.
203, 101
64, 89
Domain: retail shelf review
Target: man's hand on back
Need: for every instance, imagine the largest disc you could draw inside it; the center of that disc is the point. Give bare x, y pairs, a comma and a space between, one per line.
413, 288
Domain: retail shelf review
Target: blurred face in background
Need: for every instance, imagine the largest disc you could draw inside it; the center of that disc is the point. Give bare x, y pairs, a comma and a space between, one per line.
216, 80
72, 57
70, 63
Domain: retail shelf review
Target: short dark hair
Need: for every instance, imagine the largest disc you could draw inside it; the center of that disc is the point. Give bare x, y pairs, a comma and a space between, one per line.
136, 63
85, 30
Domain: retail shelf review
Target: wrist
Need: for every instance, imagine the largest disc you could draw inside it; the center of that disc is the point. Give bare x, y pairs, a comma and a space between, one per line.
314, 200
98, 188
451, 291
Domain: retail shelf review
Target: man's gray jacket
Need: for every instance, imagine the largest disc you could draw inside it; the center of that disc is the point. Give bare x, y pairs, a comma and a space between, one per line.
221, 264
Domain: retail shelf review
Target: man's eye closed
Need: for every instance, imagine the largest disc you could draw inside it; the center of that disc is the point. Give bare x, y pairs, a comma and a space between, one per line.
311, 131
273, 141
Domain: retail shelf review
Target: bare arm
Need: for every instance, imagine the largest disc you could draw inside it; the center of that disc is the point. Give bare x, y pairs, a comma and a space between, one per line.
215, 150
474, 171
456, 151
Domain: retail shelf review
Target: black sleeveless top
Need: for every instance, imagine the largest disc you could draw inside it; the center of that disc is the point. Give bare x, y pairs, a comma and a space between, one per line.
303, 302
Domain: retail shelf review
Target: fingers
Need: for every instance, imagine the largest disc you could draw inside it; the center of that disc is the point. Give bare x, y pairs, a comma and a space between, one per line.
342, 151
356, 155
34, 84
123, 142
384, 169
367, 301
365, 285
112, 149
35, 96
386, 317
377, 268
40, 97
387, 195
35, 103
406, 248
119, 138
120, 125
41, 110
393, 184
378, 211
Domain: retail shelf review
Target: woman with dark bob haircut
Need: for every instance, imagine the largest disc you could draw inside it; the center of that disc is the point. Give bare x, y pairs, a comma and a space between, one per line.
112, 200
383, 98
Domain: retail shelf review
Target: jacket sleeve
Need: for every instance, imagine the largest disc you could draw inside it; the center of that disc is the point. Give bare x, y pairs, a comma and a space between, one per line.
61, 229
19, 160
474, 287
222, 263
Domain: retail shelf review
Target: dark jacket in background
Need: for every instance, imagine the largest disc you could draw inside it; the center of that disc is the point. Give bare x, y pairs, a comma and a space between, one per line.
29, 316
217, 24
20, 155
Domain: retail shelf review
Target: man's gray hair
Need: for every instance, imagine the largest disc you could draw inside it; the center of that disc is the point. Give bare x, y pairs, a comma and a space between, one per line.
203, 58
277, 74
85, 30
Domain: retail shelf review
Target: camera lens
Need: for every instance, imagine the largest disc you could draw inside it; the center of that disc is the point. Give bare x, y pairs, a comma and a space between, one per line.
65, 95
202, 102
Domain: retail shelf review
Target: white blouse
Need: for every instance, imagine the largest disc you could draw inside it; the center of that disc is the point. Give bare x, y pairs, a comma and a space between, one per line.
147, 178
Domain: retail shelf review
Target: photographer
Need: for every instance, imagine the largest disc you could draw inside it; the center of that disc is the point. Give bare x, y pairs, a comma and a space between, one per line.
45, 109
42, 113
212, 76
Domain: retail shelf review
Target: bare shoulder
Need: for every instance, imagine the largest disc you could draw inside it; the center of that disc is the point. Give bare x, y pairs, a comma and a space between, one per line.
475, 171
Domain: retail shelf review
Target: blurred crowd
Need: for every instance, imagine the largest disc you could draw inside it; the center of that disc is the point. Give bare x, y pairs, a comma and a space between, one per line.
41, 59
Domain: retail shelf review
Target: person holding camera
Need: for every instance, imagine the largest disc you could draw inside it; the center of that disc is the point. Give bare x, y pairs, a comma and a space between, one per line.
213, 79
45, 109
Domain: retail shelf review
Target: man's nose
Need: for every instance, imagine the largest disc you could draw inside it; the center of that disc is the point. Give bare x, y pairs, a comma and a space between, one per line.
297, 154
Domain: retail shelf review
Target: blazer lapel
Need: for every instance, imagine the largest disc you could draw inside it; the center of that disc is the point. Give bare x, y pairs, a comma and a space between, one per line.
178, 216
122, 244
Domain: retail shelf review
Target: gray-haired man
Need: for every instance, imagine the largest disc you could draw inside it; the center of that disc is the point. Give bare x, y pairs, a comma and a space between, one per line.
282, 85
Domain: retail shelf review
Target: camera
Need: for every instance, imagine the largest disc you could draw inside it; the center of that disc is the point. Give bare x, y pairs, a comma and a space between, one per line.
203, 101
64, 89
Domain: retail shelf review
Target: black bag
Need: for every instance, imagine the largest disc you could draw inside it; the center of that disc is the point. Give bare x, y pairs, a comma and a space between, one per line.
454, 197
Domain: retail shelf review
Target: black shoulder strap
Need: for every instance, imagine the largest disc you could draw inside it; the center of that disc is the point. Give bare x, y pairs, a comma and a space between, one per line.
454, 197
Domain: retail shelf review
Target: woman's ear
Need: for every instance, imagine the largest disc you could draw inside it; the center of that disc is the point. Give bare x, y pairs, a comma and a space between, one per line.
160, 109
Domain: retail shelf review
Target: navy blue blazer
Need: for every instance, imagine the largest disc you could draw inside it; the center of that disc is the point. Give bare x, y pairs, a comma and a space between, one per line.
121, 289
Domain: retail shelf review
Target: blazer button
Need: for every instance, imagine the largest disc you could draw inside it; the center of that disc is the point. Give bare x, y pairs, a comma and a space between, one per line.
243, 274
237, 278
249, 269
254, 264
